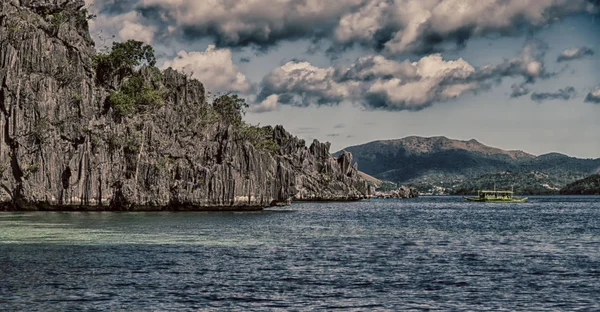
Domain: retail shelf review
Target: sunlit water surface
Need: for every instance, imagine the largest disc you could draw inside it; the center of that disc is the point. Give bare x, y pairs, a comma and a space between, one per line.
430, 253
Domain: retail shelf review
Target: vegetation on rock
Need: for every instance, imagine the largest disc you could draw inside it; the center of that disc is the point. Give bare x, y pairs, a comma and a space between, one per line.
122, 61
88, 130
230, 107
260, 137
134, 96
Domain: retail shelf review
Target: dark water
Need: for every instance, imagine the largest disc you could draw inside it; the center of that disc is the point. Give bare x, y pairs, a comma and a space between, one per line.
436, 253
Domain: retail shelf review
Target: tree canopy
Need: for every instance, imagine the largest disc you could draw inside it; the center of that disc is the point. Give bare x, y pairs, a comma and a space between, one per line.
122, 60
231, 107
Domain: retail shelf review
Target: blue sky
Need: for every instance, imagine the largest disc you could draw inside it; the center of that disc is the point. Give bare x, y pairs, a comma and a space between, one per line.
354, 71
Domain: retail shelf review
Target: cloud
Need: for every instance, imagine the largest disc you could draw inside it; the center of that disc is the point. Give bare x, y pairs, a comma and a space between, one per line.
594, 96
562, 94
381, 83
214, 67
126, 25
395, 26
425, 24
528, 64
438, 80
137, 31
302, 84
574, 54
519, 90
267, 105
251, 22
245, 60
375, 66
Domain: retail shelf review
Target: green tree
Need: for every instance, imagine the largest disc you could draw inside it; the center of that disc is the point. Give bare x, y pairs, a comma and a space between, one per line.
231, 108
122, 60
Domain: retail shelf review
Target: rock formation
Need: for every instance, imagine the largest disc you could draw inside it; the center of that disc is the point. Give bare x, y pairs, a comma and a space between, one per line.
402, 192
64, 148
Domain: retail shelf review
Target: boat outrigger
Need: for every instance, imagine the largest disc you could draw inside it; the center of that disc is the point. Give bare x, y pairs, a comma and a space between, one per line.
496, 197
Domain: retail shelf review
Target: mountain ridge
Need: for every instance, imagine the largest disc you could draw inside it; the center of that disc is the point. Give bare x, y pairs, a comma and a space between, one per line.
421, 144
458, 165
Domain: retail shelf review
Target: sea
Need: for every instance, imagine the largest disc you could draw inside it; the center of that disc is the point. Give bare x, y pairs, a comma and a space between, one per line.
436, 253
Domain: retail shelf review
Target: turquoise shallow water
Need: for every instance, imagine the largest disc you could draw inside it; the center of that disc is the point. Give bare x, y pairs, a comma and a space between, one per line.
430, 253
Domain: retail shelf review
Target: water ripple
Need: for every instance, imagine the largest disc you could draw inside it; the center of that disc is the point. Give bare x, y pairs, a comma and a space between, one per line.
433, 253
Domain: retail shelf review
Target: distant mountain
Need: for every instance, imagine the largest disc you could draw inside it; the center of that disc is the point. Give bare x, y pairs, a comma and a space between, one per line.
586, 186
422, 145
454, 165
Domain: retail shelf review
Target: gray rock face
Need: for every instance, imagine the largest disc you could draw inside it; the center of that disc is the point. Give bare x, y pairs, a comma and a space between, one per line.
62, 148
402, 192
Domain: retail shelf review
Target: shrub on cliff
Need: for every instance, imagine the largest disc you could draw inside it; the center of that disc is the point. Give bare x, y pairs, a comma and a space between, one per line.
121, 61
121, 66
135, 95
260, 137
231, 108
127, 71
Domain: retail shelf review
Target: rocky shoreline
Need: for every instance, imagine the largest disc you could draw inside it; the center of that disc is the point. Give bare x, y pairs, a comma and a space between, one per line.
69, 143
402, 192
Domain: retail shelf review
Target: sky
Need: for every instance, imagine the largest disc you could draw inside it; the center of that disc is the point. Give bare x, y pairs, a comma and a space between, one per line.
514, 74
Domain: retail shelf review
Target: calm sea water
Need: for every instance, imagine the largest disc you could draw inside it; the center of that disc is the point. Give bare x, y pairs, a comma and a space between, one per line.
431, 253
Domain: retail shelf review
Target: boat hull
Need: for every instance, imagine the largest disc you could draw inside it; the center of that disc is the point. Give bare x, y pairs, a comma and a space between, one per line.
496, 200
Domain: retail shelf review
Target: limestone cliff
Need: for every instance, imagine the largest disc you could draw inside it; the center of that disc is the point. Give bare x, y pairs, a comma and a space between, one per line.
63, 148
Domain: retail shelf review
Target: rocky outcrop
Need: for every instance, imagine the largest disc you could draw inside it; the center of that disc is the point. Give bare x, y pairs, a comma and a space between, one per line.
402, 192
63, 148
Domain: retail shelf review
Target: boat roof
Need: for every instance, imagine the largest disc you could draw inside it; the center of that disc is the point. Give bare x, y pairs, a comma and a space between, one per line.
509, 192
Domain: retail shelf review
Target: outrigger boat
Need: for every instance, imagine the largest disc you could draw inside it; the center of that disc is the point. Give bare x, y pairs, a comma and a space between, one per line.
496, 197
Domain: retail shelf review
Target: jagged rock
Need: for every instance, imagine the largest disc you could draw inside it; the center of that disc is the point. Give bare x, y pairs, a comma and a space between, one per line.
402, 192
345, 162
62, 147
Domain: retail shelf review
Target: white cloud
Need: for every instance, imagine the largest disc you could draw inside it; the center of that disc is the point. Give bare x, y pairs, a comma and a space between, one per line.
594, 96
307, 84
416, 25
136, 31
394, 85
529, 64
379, 82
372, 66
439, 80
267, 105
213, 67
363, 24
259, 21
397, 25
127, 26
573, 54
